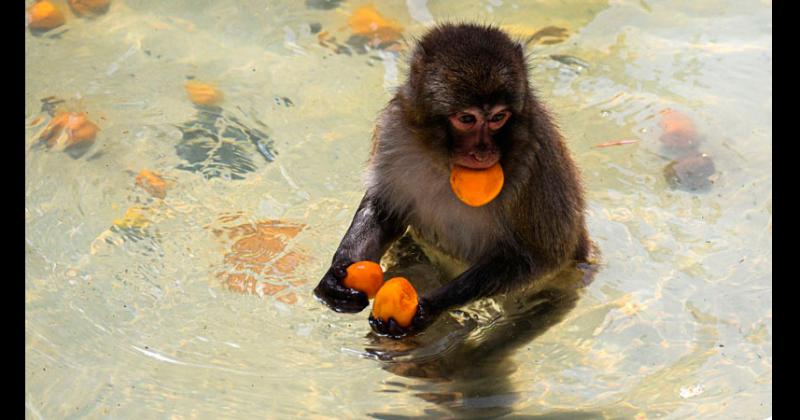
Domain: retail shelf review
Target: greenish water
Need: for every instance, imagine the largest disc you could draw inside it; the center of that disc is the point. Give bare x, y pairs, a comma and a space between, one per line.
149, 320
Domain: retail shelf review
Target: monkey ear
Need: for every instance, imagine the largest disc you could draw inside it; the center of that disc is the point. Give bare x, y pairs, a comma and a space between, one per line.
519, 49
422, 51
417, 68
418, 60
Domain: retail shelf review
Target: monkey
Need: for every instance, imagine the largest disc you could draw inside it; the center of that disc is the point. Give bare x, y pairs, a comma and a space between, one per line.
466, 101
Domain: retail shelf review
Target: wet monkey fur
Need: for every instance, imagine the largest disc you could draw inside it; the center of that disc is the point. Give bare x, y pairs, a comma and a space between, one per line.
467, 101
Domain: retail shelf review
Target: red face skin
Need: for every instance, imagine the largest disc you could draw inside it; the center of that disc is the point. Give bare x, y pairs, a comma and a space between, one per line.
473, 128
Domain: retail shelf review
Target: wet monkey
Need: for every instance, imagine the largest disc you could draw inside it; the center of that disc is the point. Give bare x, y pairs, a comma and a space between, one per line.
467, 101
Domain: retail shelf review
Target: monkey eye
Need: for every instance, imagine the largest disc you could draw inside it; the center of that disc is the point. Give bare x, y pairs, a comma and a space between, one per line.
466, 118
500, 116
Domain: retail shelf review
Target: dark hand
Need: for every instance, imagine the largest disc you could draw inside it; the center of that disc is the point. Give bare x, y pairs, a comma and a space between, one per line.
339, 298
422, 319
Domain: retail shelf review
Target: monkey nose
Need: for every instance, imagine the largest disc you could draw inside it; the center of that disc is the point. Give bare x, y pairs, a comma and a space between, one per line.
482, 154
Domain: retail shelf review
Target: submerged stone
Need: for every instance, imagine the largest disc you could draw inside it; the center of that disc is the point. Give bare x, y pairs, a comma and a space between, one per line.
691, 172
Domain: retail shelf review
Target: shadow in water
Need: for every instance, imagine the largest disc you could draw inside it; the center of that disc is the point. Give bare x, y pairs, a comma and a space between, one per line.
216, 143
463, 362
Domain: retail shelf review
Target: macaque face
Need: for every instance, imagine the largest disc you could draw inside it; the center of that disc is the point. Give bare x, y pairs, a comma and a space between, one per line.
474, 131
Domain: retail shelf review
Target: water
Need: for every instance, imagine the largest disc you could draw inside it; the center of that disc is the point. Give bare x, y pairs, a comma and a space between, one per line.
201, 305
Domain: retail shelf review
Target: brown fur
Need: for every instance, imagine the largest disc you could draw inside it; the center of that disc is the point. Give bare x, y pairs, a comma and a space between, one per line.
541, 206
533, 227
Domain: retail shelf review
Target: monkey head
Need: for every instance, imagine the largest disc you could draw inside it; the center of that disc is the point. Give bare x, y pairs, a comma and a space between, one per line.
470, 81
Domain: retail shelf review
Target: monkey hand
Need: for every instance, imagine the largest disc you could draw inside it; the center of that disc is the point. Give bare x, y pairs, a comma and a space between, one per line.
339, 298
424, 316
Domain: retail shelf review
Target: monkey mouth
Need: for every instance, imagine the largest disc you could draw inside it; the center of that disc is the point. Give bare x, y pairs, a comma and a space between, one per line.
477, 159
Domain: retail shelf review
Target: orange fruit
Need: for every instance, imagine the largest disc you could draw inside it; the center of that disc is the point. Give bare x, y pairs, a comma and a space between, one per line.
44, 15
85, 7
152, 183
366, 21
476, 187
203, 93
364, 276
396, 299
67, 129
134, 218
672, 120
679, 130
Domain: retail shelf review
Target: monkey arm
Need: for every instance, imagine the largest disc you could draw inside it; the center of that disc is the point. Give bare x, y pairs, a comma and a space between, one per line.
499, 272
369, 236
496, 273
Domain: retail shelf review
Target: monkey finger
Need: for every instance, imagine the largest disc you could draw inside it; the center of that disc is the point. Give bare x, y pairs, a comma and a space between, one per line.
395, 330
339, 269
340, 298
378, 325
423, 317
349, 306
343, 305
388, 328
331, 285
337, 291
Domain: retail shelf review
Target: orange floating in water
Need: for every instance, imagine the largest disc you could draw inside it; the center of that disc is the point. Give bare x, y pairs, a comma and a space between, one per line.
396, 299
679, 130
364, 276
44, 16
152, 183
367, 21
203, 93
68, 129
134, 218
89, 7
476, 187
672, 120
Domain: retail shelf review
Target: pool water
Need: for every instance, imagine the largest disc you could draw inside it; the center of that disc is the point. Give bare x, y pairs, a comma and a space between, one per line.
190, 296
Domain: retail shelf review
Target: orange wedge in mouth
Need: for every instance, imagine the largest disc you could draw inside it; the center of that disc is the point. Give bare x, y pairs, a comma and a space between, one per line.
476, 187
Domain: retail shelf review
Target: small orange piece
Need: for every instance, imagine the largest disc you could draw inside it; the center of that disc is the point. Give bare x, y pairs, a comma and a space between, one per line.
67, 129
396, 299
366, 21
679, 129
672, 120
364, 276
44, 15
134, 218
476, 187
152, 183
203, 93
87, 7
